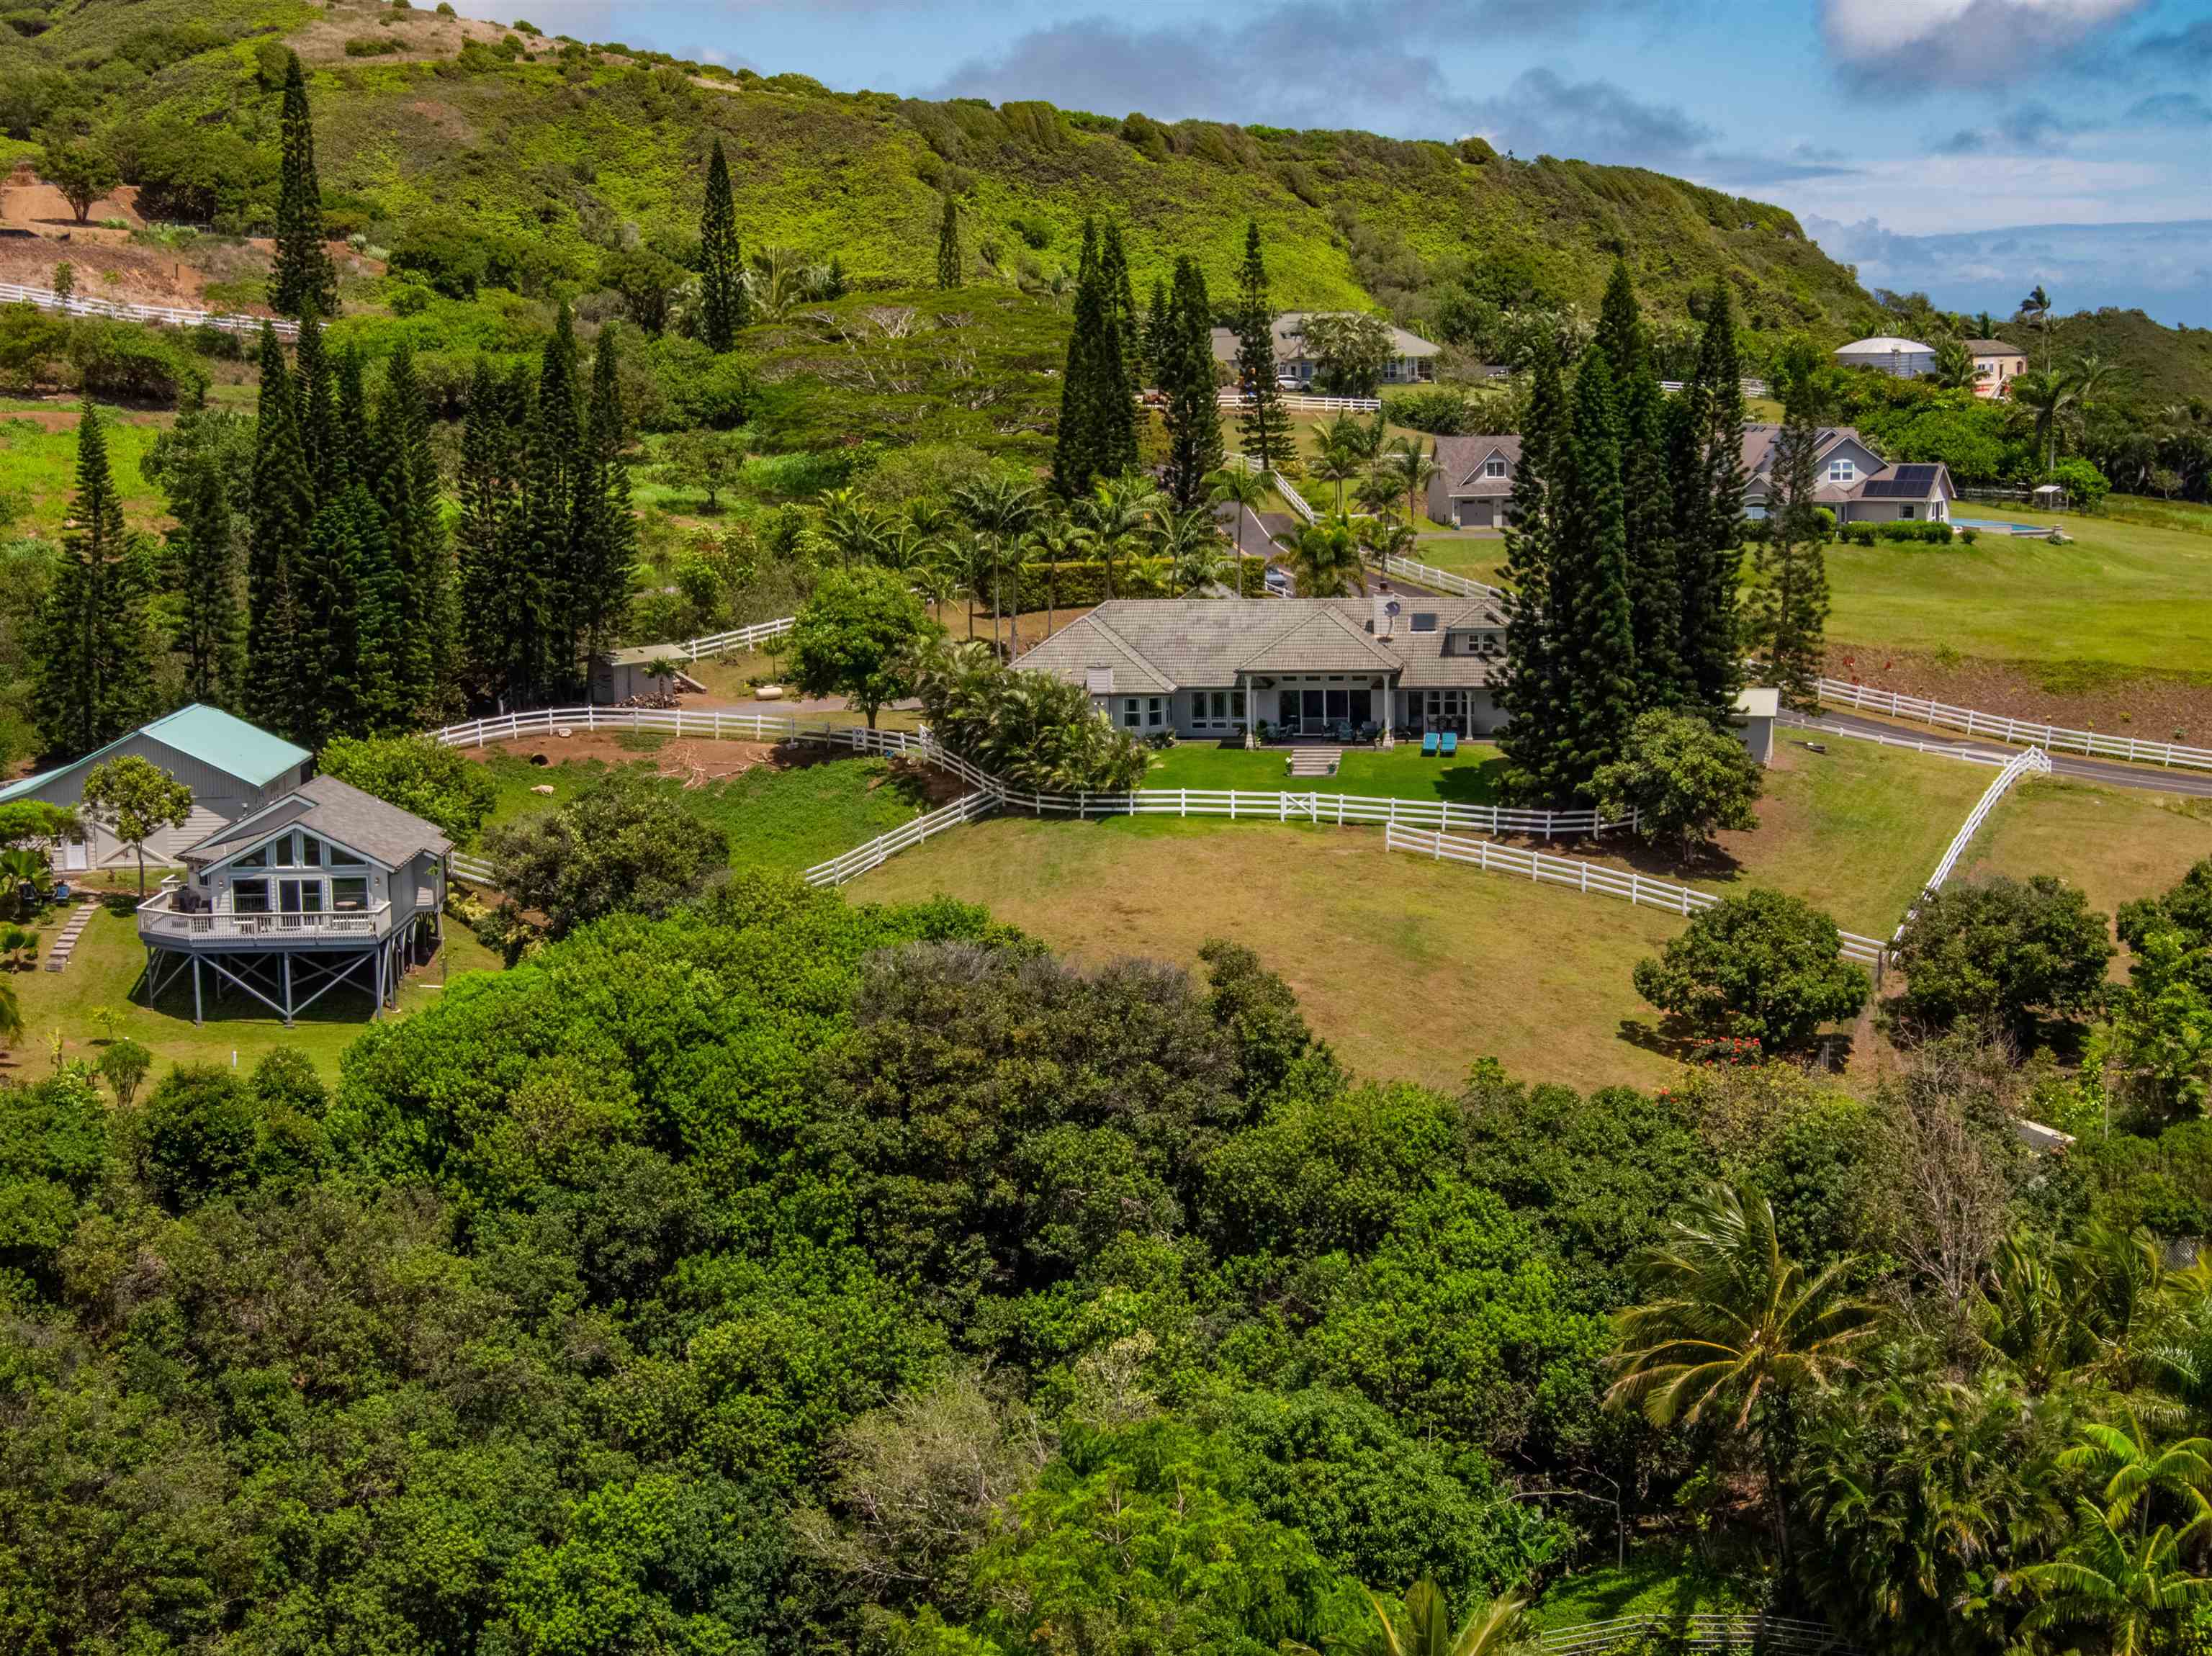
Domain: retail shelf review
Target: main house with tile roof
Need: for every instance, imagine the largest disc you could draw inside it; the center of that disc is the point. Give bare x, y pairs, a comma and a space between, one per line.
1410, 360
232, 767
1215, 667
1473, 479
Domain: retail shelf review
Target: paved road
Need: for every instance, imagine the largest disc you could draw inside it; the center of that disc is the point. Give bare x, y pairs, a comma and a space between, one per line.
2103, 771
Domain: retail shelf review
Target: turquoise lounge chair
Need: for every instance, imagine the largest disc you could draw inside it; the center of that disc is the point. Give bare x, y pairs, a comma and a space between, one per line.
1451, 743
1428, 745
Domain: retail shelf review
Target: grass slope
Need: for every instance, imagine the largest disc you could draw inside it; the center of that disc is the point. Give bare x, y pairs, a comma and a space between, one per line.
2115, 846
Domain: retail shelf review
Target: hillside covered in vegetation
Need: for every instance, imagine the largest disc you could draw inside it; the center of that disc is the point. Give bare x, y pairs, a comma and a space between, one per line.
546, 155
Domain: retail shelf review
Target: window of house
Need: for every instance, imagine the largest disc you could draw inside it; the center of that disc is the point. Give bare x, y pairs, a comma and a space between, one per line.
1132, 713
311, 851
1839, 471
249, 896
341, 858
1156, 711
349, 891
1494, 467
1905, 511
257, 857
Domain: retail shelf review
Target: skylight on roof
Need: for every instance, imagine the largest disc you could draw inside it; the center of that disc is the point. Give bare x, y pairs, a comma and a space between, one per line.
1424, 620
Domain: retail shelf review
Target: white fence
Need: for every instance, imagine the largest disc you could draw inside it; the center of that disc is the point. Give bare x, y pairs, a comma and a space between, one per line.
1542, 868
1443, 580
1292, 498
1300, 401
1781, 1635
2034, 760
859, 860
1942, 749
741, 638
13, 293
1998, 728
469, 868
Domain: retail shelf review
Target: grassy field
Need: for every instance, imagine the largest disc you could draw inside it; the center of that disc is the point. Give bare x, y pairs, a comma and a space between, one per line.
2130, 594
1414, 969
2114, 845
777, 817
1472, 778
37, 463
107, 965
1477, 557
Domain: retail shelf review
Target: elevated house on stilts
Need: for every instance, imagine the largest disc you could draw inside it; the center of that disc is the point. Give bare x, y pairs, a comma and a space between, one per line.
325, 886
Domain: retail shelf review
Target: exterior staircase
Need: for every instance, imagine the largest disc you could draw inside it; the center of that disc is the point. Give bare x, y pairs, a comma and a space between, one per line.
1315, 762
57, 957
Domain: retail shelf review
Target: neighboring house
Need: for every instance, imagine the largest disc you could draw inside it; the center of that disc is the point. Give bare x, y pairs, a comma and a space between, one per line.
1411, 362
1996, 365
1472, 480
1220, 667
1903, 359
326, 884
1855, 483
231, 768
619, 675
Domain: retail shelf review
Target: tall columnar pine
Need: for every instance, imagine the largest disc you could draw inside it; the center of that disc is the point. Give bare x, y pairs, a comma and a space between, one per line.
404, 474
1097, 436
206, 567
1185, 354
1788, 609
353, 454
1654, 581
1155, 344
1128, 322
315, 396
492, 592
948, 244
1264, 424
1531, 690
95, 660
553, 451
723, 301
1707, 451
302, 281
326, 588
1594, 636
603, 534
279, 516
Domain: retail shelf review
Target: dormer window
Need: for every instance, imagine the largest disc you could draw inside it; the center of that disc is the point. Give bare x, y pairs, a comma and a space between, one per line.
1494, 466
1840, 471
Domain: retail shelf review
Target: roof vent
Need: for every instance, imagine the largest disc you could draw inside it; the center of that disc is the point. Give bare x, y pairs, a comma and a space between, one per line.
1098, 681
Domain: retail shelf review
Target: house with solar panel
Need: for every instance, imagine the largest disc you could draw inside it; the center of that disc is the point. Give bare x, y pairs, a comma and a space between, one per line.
1854, 483
231, 768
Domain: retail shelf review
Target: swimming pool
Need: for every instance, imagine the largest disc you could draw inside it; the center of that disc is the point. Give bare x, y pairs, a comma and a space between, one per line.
2001, 527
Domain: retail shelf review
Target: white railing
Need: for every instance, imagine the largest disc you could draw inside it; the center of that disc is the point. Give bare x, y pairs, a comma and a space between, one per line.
1705, 1630
1998, 728
1300, 401
1942, 749
859, 860
1443, 580
740, 638
477, 868
159, 922
14, 293
1751, 387
2034, 762
1292, 498
1542, 868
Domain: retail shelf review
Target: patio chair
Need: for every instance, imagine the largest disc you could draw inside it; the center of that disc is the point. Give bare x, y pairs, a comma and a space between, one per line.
1451, 743
1369, 731
1428, 745
1342, 733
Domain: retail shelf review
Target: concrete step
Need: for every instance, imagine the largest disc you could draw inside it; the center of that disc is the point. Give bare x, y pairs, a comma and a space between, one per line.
1315, 762
57, 957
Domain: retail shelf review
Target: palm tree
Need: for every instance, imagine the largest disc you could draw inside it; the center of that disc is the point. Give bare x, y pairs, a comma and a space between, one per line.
1377, 493
1247, 488
1338, 466
1954, 366
2093, 374
1728, 1323
1428, 1630
1000, 508
1413, 465
2133, 1586
2048, 395
1348, 434
2132, 1467
1385, 538
1120, 513
851, 528
1053, 538
2037, 306
11, 1015
1324, 559
939, 584
1191, 542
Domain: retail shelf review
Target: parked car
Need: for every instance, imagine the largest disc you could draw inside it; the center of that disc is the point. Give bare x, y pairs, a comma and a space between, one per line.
1289, 382
1279, 582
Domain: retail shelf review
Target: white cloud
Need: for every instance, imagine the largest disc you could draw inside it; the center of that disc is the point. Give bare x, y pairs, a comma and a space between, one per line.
1913, 45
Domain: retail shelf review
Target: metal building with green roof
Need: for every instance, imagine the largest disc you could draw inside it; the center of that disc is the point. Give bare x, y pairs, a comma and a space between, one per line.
233, 768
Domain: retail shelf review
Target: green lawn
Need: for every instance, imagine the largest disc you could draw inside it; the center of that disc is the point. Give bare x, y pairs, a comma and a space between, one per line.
106, 969
2114, 844
1472, 778
2128, 594
776, 817
1411, 968
37, 464
1477, 557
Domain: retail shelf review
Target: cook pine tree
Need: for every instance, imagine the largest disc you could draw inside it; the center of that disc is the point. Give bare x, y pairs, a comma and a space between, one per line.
1705, 459
1184, 360
205, 566
1787, 611
95, 678
301, 279
1097, 433
1654, 581
948, 243
723, 301
1531, 689
1594, 639
1264, 424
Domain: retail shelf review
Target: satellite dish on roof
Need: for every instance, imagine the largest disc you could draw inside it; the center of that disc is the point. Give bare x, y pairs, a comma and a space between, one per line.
1391, 608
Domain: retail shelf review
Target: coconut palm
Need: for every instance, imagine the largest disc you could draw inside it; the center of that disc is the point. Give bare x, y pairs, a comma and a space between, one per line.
1051, 540
2049, 396
1000, 508
1385, 538
1247, 488
1118, 515
1198, 558
2093, 376
1729, 1325
1350, 435
1413, 465
1323, 558
2132, 1467
939, 584
2132, 1586
849, 528
1376, 494
2037, 306
1427, 1629
1338, 466
1954, 366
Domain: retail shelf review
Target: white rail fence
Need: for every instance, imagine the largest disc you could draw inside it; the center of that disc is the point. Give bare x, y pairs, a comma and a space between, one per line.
1942, 749
740, 638
14, 293
2034, 762
1300, 401
1542, 868
859, 860
1998, 728
1292, 498
1443, 580
1781, 1635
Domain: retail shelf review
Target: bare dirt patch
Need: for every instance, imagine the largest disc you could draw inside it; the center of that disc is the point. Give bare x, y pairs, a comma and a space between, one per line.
695, 762
2084, 695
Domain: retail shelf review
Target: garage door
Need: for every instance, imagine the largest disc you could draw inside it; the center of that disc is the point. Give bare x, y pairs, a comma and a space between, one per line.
1475, 514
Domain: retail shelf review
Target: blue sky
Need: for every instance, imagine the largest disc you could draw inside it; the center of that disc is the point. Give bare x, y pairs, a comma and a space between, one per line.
1971, 147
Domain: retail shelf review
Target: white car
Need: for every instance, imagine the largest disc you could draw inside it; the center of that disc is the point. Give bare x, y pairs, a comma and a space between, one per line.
1279, 582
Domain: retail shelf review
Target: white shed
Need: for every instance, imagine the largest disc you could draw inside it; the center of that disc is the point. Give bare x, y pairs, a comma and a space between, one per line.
1752, 720
1903, 359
